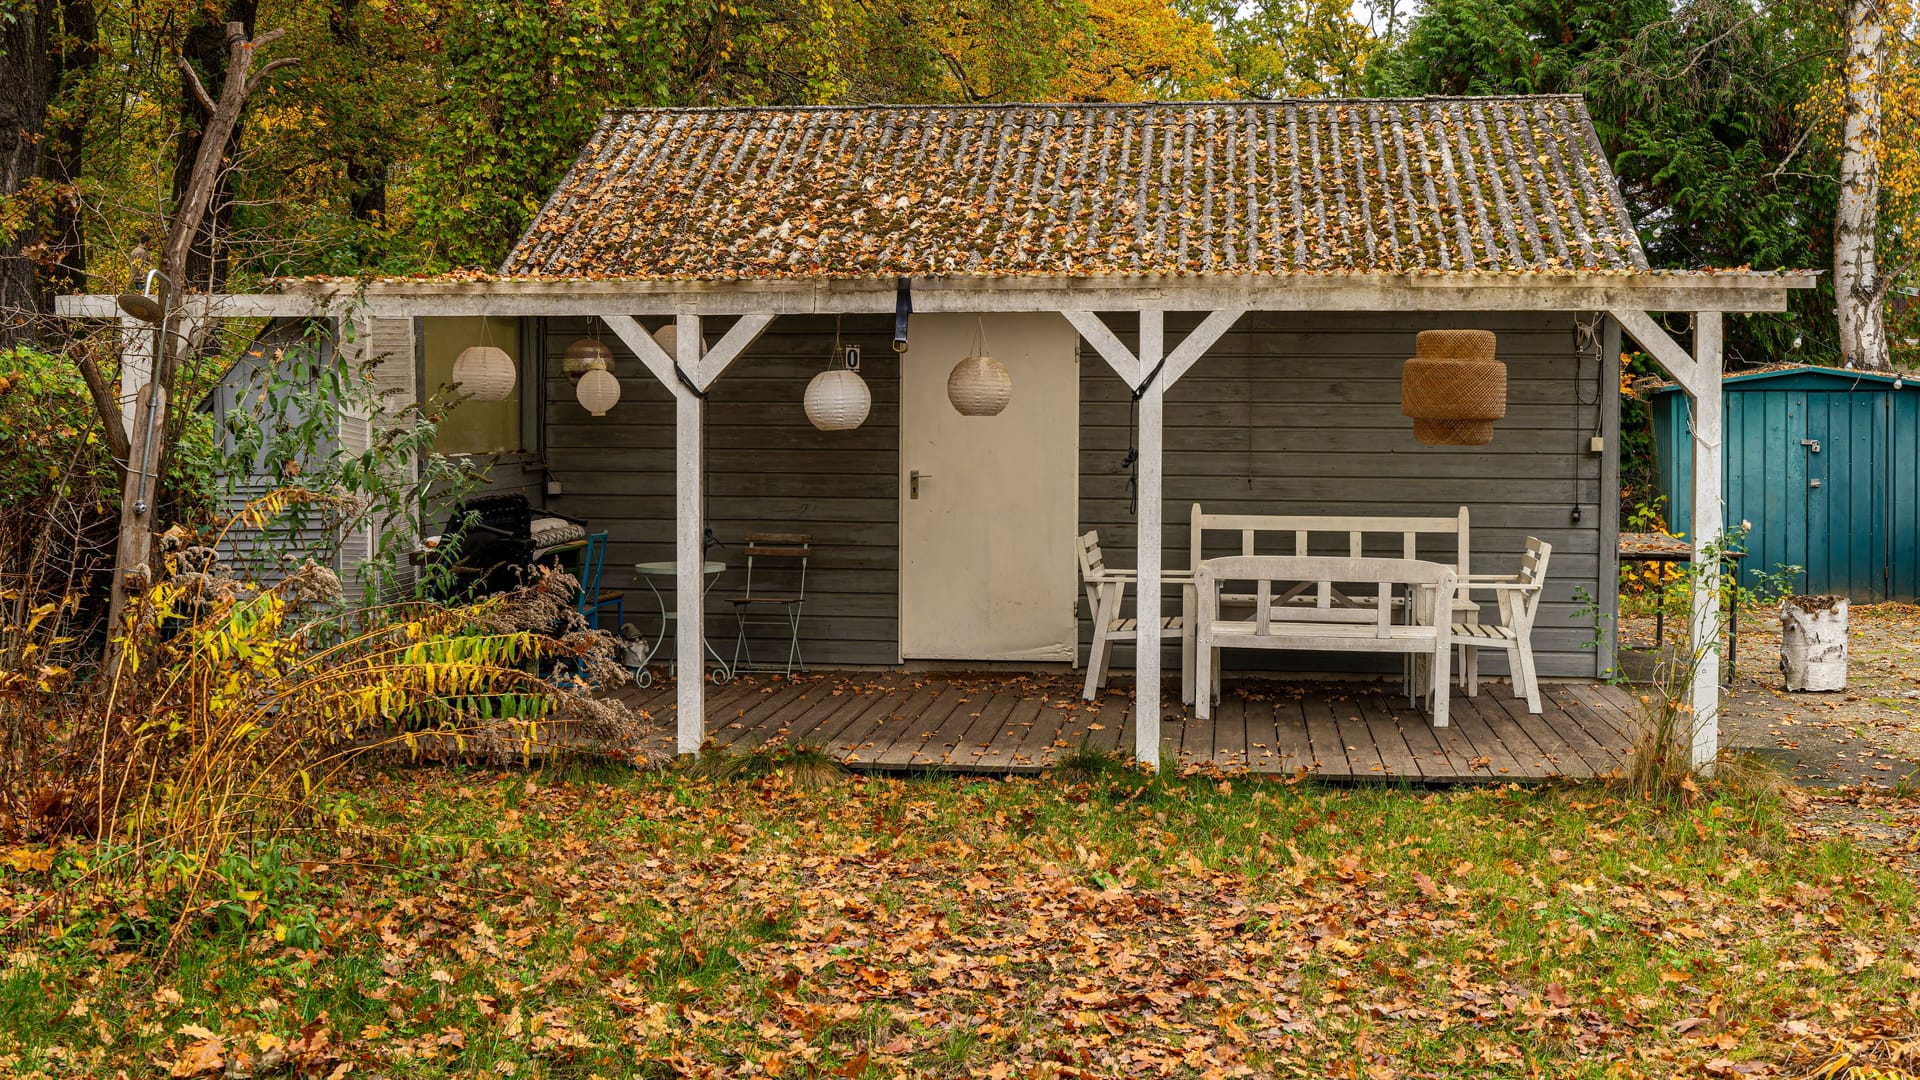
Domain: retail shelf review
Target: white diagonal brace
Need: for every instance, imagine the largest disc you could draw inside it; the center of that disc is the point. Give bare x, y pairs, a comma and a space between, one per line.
1118, 356
645, 349
1202, 338
728, 349
1641, 328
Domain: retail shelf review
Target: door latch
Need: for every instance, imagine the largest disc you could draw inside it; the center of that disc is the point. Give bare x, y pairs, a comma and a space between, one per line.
1812, 445
913, 483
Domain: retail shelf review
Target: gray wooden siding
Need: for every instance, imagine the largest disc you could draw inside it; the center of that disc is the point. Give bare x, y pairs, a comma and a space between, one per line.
767, 470
1324, 435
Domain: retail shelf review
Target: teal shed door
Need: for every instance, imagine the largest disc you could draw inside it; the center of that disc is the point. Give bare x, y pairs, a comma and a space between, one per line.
1771, 478
1846, 490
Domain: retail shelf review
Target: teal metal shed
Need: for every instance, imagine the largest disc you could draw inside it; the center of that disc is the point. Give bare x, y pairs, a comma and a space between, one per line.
1824, 464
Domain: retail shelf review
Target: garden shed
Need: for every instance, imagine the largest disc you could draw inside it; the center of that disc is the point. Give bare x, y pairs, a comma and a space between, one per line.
1823, 464
1204, 306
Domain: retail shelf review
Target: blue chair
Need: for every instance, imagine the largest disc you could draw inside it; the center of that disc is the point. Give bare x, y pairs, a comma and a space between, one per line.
593, 600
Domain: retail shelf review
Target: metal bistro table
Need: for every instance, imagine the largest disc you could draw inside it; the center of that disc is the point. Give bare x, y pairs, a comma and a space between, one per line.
651, 573
1663, 550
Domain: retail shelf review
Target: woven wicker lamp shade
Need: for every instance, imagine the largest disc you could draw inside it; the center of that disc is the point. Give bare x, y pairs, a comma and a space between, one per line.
980, 386
1453, 387
584, 355
598, 391
838, 400
484, 373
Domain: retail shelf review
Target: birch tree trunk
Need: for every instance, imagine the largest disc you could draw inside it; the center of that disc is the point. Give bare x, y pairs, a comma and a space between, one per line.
1858, 292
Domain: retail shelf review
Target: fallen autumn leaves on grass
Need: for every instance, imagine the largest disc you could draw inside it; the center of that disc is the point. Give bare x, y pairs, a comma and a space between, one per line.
607, 923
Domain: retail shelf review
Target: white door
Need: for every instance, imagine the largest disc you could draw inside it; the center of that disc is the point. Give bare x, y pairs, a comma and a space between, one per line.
989, 504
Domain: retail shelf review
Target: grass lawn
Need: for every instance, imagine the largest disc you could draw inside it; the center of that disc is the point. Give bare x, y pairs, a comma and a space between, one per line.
600, 922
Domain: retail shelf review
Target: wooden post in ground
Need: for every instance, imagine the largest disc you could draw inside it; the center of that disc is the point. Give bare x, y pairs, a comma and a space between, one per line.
1698, 374
1707, 530
687, 375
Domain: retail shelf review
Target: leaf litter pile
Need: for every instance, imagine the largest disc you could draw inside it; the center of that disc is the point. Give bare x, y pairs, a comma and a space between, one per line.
594, 922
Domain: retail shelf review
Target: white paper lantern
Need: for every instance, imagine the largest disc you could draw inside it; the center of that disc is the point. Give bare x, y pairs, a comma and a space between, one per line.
484, 373
838, 400
584, 355
598, 391
980, 386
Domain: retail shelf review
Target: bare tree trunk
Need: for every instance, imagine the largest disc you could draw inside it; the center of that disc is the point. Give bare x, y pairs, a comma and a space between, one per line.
205, 48
132, 565
26, 83
1859, 292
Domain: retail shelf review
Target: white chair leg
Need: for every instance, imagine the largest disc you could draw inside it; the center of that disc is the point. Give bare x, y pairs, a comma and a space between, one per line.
1442, 683
1203, 682
1523, 662
1097, 655
1470, 669
1187, 604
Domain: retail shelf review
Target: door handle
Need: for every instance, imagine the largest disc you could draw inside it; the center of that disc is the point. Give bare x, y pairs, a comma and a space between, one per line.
913, 482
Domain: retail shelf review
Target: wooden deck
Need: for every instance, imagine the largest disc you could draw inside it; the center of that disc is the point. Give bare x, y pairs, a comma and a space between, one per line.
1013, 723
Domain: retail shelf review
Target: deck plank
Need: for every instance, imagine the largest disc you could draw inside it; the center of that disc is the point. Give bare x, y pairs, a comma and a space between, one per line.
1329, 752
1396, 754
1363, 731
1608, 712
922, 729
960, 738
855, 698
1369, 754
1554, 722
993, 752
1230, 733
874, 731
1471, 724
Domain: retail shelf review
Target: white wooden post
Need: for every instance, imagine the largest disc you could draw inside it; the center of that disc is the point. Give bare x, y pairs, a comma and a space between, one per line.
1707, 530
687, 375
1146, 369
689, 537
1699, 376
136, 365
1146, 662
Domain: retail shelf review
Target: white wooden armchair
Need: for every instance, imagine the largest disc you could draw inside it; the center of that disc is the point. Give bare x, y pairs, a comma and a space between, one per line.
1106, 590
1517, 596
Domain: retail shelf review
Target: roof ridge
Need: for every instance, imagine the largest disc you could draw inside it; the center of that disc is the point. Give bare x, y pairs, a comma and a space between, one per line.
1091, 106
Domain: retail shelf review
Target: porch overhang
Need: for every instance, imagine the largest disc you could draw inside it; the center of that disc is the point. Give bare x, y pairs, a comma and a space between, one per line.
1148, 367
1641, 290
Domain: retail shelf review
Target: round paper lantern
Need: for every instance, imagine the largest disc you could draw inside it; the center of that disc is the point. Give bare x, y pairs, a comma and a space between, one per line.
584, 355
838, 400
598, 391
979, 386
1453, 387
484, 373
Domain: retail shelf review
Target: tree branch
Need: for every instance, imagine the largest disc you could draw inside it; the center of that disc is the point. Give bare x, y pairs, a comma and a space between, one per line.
104, 404
193, 83
267, 69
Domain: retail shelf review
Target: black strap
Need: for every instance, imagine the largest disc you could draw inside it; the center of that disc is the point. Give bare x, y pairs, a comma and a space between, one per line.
688, 383
1132, 461
902, 308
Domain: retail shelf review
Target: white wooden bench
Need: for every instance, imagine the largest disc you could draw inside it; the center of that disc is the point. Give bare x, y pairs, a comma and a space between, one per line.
1298, 535
1402, 628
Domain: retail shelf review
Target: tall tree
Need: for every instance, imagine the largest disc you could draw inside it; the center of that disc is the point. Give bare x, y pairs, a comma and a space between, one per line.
1699, 107
44, 47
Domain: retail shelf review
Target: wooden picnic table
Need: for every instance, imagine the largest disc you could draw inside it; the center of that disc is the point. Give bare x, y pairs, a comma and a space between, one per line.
1661, 549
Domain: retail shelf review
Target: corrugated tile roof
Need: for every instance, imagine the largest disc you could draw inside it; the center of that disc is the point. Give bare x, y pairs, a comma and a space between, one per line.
1328, 186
